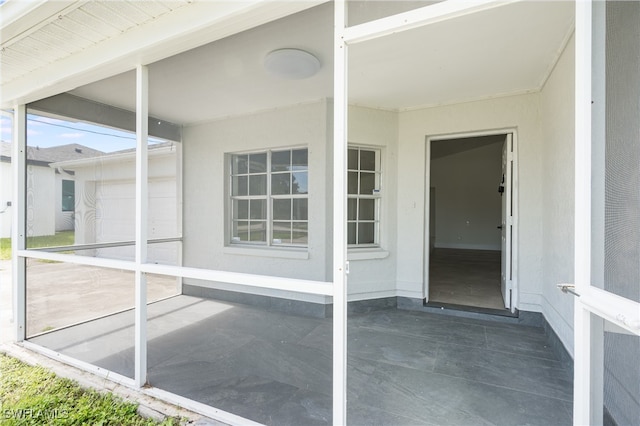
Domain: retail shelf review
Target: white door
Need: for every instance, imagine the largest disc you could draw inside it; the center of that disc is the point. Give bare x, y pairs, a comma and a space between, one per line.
606, 238
506, 226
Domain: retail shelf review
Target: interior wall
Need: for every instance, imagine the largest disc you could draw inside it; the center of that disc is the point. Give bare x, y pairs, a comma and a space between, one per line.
519, 112
557, 216
468, 205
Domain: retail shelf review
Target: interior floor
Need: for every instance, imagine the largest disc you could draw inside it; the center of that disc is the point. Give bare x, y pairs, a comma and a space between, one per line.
465, 277
404, 367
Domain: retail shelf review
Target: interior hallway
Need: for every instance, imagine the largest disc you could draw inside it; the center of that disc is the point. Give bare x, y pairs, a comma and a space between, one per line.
405, 368
465, 277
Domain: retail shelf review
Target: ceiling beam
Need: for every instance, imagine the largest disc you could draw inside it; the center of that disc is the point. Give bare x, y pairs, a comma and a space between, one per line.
66, 106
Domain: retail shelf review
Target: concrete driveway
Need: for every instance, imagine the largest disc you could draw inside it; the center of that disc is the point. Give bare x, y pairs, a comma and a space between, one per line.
62, 294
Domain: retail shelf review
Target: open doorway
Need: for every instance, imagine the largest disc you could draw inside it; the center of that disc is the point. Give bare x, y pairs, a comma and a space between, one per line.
470, 218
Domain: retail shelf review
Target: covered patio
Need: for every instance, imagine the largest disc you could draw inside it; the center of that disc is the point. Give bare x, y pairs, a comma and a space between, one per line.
404, 367
255, 240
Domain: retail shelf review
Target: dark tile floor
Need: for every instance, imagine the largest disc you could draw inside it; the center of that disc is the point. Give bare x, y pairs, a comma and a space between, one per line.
465, 277
405, 368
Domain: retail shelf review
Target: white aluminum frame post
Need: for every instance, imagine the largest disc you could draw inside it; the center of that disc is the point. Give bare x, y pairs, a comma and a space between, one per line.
19, 219
142, 207
339, 219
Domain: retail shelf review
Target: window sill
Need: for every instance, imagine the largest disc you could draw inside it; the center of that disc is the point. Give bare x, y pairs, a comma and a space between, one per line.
283, 253
366, 254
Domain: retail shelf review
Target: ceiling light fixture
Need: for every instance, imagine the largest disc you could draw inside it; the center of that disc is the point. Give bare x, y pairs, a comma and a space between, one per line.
292, 64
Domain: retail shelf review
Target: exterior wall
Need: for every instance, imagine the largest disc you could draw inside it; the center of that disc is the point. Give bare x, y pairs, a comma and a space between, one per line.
64, 220
557, 215
373, 272
205, 218
6, 187
41, 185
467, 202
205, 214
519, 112
105, 206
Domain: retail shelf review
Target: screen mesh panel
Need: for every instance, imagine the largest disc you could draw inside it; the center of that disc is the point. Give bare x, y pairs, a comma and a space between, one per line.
622, 204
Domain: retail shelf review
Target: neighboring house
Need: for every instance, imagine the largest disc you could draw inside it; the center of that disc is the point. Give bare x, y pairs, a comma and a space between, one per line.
105, 200
51, 194
254, 196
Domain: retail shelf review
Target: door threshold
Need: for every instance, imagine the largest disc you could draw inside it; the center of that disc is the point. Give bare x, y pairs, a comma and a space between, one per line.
473, 309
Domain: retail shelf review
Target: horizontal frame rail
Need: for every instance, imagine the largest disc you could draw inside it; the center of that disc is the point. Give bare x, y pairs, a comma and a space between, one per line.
57, 249
416, 18
322, 288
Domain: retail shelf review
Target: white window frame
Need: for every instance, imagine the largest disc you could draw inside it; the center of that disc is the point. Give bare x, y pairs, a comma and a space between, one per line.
268, 197
376, 196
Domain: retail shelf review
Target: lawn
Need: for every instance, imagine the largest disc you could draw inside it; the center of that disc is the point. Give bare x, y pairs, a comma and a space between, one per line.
64, 238
34, 396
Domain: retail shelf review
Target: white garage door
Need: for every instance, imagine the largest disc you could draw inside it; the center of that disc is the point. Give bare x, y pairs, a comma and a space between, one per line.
115, 218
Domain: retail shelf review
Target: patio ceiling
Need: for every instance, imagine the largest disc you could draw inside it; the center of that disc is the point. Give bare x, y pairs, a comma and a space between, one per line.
506, 50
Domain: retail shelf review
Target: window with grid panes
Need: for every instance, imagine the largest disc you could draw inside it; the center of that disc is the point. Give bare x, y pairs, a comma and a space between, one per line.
269, 198
363, 197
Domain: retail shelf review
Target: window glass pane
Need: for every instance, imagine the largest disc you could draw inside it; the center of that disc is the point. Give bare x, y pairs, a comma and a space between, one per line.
300, 233
351, 233
300, 211
280, 161
367, 160
352, 211
239, 164
367, 183
352, 183
280, 183
352, 159
300, 183
258, 185
240, 231
299, 159
239, 185
366, 233
258, 163
282, 209
367, 209
282, 232
258, 232
258, 209
240, 209
68, 196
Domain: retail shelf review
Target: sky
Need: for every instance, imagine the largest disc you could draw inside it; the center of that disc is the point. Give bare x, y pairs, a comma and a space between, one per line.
45, 132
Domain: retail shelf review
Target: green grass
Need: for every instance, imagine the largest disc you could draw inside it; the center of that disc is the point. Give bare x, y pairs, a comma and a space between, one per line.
64, 238
35, 396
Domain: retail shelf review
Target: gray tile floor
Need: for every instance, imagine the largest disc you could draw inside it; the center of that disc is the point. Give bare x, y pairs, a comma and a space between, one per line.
405, 368
465, 277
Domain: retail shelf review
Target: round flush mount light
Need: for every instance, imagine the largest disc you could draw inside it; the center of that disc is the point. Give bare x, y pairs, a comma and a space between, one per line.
292, 64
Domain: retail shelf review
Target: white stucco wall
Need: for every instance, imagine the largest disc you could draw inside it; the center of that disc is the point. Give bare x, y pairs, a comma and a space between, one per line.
105, 205
41, 185
205, 226
467, 202
6, 185
518, 112
205, 221
557, 215
372, 277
